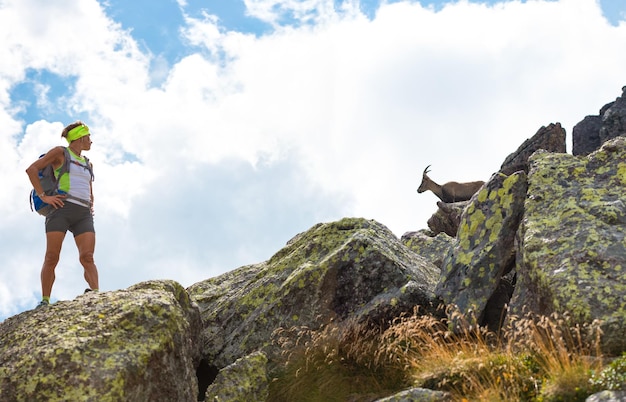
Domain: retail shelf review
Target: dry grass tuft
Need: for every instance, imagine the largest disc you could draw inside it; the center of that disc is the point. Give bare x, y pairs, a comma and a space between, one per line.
336, 363
535, 358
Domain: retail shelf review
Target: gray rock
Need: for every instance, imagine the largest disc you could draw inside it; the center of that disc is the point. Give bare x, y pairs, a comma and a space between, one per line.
550, 138
586, 135
428, 245
483, 251
418, 395
614, 119
593, 131
607, 396
447, 218
244, 380
351, 268
572, 247
139, 344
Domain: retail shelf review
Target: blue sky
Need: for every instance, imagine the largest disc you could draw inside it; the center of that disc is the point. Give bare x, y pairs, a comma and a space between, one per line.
155, 27
224, 128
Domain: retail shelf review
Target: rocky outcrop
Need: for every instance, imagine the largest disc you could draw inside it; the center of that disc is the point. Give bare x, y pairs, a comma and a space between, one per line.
350, 268
447, 218
546, 234
431, 246
614, 119
595, 130
244, 380
482, 253
586, 134
571, 255
139, 344
550, 138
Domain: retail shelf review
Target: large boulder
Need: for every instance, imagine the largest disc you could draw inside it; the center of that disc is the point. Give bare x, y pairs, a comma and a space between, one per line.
572, 240
595, 130
351, 268
139, 344
483, 251
550, 138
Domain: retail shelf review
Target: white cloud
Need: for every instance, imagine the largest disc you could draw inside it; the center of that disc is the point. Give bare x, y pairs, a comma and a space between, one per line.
279, 13
249, 140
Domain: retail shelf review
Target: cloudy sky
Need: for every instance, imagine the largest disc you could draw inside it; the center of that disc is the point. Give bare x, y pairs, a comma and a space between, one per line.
221, 129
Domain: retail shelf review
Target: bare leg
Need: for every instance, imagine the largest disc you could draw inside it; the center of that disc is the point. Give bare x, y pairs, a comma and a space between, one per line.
54, 241
86, 243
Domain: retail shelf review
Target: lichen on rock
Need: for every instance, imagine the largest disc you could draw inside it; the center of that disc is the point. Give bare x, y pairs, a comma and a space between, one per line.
428, 245
136, 344
350, 268
244, 380
572, 239
482, 253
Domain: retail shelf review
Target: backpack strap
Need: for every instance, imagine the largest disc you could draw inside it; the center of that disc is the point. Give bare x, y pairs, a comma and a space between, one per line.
87, 165
90, 168
86, 203
65, 167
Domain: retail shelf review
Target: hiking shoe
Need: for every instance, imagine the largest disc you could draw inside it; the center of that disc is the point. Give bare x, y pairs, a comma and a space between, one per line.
43, 303
88, 290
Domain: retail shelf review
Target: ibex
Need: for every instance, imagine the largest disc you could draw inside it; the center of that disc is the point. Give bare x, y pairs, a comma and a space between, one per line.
451, 191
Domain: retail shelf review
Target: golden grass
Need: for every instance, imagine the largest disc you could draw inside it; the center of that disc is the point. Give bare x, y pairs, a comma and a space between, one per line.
534, 359
337, 363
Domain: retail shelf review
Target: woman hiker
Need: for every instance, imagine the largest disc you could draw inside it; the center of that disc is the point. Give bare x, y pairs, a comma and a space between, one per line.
73, 208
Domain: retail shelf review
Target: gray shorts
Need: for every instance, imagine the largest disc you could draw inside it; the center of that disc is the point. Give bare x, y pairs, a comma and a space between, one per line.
73, 217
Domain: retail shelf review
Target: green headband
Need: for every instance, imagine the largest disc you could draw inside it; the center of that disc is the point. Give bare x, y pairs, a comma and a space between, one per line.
77, 132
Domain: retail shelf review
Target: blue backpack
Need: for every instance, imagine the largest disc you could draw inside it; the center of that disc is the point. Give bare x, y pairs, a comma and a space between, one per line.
50, 184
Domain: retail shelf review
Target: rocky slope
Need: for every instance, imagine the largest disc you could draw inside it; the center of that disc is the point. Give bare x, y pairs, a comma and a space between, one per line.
138, 344
545, 234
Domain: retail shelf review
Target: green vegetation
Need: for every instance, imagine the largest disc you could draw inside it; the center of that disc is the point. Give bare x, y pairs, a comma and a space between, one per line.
534, 359
613, 376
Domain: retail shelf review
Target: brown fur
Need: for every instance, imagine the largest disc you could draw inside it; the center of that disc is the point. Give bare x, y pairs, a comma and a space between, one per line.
451, 191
